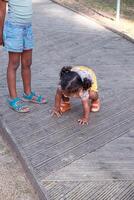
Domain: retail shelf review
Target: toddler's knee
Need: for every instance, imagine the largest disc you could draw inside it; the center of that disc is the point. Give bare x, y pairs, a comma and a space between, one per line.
93, 95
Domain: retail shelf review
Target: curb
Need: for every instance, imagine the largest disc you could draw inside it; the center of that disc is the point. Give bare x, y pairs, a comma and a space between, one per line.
5, 133
123, 35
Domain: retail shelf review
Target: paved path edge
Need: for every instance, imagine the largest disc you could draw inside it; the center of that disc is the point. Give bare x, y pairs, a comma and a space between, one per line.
125, 36
4, 132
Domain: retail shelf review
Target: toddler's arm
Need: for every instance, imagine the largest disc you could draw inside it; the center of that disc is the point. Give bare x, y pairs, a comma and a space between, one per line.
2, 18
86, 111
56, 109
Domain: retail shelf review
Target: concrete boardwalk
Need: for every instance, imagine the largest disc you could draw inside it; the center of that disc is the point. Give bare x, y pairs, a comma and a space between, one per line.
63, 160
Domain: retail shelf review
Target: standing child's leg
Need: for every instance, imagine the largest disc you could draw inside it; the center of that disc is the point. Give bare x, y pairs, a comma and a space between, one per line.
14, 101
14, 62
26, 61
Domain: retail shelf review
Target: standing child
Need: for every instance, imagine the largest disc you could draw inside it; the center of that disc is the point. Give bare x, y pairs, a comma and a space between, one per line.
77, 81
17, 37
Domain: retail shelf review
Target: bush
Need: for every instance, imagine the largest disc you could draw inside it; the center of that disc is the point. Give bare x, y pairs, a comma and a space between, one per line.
129, 2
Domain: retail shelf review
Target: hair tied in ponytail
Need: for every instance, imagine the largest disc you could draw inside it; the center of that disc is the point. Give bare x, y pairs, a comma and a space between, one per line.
64, 70
86, 83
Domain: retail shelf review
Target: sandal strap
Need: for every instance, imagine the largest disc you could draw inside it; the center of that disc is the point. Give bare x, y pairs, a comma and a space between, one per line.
33, 96
17, 104
38, 98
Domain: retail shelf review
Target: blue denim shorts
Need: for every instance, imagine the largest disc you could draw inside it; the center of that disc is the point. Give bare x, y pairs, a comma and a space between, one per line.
17, 37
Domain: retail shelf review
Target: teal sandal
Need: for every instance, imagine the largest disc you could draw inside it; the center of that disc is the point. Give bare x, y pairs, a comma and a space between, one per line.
18, 105
34, 98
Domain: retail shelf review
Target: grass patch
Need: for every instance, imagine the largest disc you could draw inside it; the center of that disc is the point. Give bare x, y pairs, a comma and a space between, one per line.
109, 6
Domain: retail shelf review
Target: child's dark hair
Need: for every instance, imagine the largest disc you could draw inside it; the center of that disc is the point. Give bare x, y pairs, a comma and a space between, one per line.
71, 81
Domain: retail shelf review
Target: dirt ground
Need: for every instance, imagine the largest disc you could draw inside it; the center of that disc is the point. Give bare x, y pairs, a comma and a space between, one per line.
124, 25
13, 182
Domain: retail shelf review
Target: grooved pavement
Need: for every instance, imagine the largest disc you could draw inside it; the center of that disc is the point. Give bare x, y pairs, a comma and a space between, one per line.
65, 161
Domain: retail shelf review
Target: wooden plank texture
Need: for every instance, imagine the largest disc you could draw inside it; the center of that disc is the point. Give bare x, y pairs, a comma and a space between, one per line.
67, 161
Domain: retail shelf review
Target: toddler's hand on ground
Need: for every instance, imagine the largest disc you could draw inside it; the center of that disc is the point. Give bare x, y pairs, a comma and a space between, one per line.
56, 112
83, 121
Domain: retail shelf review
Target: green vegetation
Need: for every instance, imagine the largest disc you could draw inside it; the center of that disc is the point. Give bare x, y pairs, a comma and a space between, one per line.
127, 9
129, 2
109, 6
101, 5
